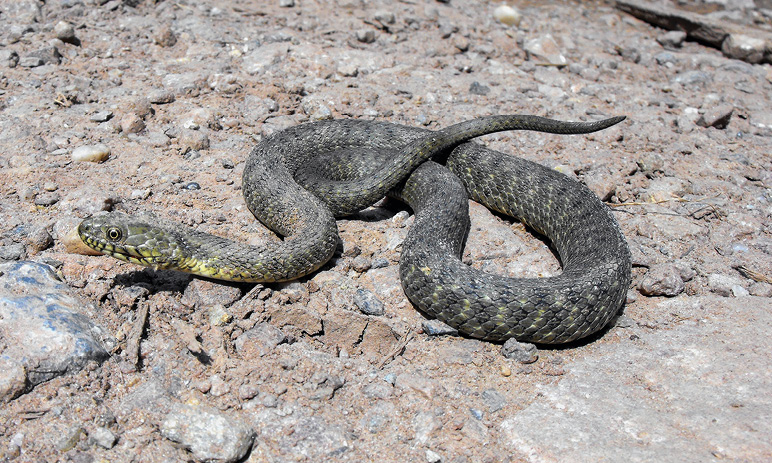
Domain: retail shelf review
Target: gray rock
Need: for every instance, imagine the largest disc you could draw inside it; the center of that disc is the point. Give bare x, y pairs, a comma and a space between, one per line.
476, 88
101, 116
745, 47
519, 351
723, 285
717, 117
103, 437
545, 49
9, 58
662, 280
43, 325
368, 303
365, 35
14, 251
672, 40
65, 32
207, 433
434, 327
688, 78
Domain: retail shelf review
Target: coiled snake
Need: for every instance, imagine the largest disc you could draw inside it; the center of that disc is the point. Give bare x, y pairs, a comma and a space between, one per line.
346, 165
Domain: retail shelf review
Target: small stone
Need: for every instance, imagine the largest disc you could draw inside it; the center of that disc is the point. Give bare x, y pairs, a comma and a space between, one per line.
104, 438
132, 123
744, 47
385, 17
432, 456
38, 239
361, 264
219, 387
436, 327
47, 199
49, 55
717, 117
194, 140
65, 32
546, 49
30, 62
368, 303
160, 96
166, 37
672, 40
101, 116
662, 280
9, 58
209, 434
13, 379
380, 262
91, 153
724, 285
365, 35
69, 439
507, 15
520, 351
479, 89
348, 70
286, 3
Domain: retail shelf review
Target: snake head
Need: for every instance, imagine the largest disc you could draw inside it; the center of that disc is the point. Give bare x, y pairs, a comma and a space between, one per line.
136, 239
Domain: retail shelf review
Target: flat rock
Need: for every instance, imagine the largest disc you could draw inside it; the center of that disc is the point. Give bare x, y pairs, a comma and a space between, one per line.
43, 326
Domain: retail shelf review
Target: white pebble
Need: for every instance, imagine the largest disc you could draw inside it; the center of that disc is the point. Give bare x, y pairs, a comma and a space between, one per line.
91, 153
507, 15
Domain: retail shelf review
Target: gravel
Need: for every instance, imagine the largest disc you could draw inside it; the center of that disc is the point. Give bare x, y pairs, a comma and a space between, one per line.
339, 366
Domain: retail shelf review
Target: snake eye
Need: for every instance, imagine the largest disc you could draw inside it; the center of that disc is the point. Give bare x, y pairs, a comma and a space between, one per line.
114, 233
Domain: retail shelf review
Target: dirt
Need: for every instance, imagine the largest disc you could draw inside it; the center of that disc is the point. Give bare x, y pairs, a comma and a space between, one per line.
179, 92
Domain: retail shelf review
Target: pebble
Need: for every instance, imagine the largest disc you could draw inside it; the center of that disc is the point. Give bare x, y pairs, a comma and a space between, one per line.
507, 15
520, 351
9, 58
672, 40
66, 33
662, 280
165, 37
432, 456
717, 117
380, 262
103, 437
365, 35
476, 88
546, 49
725, 285
286, 3
101, 116
47, 199
91, 153
368, 303
207, 433
195, 140
161, 96
132, 123
434, 327
744, 47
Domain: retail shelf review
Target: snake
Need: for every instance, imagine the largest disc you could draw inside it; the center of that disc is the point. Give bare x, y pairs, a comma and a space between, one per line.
299, 180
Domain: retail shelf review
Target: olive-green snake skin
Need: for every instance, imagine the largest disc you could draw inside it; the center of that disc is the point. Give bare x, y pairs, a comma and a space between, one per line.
346, 165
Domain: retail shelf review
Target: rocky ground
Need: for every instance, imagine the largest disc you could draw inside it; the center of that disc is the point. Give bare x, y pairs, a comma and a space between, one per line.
153, 106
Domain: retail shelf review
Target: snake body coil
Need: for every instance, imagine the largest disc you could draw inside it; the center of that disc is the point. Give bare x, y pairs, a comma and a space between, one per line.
346, 165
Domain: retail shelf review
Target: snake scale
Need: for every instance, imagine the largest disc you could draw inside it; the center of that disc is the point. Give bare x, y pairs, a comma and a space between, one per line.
298, 180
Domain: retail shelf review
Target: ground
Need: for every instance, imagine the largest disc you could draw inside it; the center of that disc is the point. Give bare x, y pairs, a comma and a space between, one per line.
169, 97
